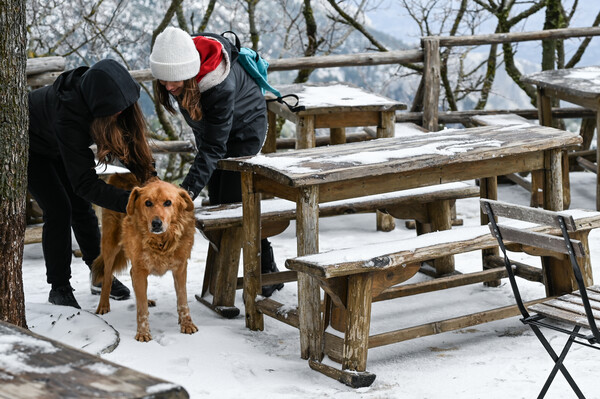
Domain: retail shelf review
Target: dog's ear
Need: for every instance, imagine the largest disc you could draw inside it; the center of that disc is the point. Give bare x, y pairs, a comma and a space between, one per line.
135, 193
189, 204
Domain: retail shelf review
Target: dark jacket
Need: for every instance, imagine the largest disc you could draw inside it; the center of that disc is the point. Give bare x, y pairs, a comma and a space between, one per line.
60, 116
234, 121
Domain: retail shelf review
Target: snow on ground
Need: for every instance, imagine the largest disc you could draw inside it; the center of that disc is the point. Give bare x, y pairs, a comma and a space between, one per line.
501, 359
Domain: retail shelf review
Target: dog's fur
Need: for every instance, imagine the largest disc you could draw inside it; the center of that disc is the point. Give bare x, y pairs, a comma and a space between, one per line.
156, 235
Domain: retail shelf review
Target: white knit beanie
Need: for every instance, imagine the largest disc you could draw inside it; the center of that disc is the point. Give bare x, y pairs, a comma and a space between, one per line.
174, 56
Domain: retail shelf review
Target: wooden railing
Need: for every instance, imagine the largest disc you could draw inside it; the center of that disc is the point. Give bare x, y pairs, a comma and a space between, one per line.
42, 71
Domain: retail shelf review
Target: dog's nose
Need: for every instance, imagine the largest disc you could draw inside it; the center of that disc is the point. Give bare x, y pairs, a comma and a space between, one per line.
156, 226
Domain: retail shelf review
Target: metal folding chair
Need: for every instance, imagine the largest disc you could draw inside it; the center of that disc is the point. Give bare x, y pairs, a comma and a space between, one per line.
567, 314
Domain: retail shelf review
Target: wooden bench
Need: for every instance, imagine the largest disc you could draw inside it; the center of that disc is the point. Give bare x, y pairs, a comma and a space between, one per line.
222, 226
353, 278
44, 368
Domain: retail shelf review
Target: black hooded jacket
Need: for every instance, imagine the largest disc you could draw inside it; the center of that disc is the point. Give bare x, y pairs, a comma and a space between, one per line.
234, 121
59, 124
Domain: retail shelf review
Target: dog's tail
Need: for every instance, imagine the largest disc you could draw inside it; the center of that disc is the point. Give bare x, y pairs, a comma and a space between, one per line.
98, 270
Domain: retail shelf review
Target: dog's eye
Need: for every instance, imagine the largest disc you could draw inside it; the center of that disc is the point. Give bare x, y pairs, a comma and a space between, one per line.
149, 203
167, 203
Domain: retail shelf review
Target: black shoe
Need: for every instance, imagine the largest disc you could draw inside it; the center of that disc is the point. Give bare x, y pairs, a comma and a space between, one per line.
63, 295
268, 265
117, 290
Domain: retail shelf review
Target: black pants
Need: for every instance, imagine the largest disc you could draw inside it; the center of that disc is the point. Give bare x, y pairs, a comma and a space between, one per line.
49, 185
225, 187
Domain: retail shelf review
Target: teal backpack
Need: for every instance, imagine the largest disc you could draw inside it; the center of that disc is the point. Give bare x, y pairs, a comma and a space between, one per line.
256, 67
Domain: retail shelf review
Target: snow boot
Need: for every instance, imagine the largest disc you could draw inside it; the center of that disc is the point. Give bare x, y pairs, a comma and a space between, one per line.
63, 295
118, 291
267, 265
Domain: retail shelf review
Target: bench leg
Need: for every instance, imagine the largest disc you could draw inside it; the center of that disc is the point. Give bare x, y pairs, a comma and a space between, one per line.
220, 275
358, 321
386, 128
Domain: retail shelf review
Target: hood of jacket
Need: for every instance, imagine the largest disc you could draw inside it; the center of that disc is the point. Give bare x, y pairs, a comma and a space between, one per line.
106, 88
215, 60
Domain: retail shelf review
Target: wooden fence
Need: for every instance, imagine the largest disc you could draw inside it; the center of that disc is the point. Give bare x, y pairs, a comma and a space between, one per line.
425, 107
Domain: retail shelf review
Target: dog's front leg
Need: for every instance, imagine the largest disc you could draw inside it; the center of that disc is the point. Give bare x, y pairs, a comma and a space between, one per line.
185, 320
139, 279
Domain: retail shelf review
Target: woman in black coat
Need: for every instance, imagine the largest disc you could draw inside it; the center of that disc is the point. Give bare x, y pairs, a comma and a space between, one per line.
224, 107
84, 106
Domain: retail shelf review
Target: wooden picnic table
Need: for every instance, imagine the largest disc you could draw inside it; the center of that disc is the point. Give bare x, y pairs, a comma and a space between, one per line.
32, 366
331, 105
324, 174
579, 86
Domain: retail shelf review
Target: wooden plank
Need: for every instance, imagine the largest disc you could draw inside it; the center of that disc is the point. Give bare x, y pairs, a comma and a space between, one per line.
513, 37
540, 240
351, 378
576, 299
279, 311
560, 314
46, 368
357, 59
441, 283
528, 214
387, 255
445, 325
331, 164
276, 210
587, 165
346, 119
44, 64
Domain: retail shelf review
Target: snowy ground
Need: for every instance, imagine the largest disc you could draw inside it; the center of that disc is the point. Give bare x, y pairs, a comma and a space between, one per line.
223, 359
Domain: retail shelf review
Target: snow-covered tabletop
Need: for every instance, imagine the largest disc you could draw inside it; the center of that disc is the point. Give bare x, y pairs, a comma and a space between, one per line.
581, 82
33, 366
406, 154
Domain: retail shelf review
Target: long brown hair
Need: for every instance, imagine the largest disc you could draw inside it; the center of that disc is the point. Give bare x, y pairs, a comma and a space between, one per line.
123, 136
189, 99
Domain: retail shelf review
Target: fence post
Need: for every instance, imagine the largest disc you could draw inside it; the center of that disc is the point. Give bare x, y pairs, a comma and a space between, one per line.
431, 77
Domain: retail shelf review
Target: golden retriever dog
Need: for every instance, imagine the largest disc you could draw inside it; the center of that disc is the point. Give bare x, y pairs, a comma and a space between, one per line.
156, 235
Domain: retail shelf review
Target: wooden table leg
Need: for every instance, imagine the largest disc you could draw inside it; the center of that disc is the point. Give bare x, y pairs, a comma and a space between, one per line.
309, 293
305, 132
337, 135
557, 272
441, 219
386, 128
270, 144
488, 188
251, 226
545, 118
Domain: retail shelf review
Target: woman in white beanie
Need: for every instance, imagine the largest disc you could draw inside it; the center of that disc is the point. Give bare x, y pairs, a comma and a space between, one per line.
224, 107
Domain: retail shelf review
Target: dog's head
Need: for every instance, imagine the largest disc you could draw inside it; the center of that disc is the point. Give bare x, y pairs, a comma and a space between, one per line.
158, 204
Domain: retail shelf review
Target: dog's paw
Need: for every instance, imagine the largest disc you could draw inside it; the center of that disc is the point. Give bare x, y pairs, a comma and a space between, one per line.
103, 309
188, 327
143, 336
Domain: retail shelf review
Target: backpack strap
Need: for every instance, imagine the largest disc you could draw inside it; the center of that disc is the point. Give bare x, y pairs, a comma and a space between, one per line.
293, 108
236, 43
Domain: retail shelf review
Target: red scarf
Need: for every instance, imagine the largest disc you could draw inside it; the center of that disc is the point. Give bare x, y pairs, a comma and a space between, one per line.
211, 54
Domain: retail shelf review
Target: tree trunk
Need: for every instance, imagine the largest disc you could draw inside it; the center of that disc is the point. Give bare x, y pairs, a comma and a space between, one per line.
14, 146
